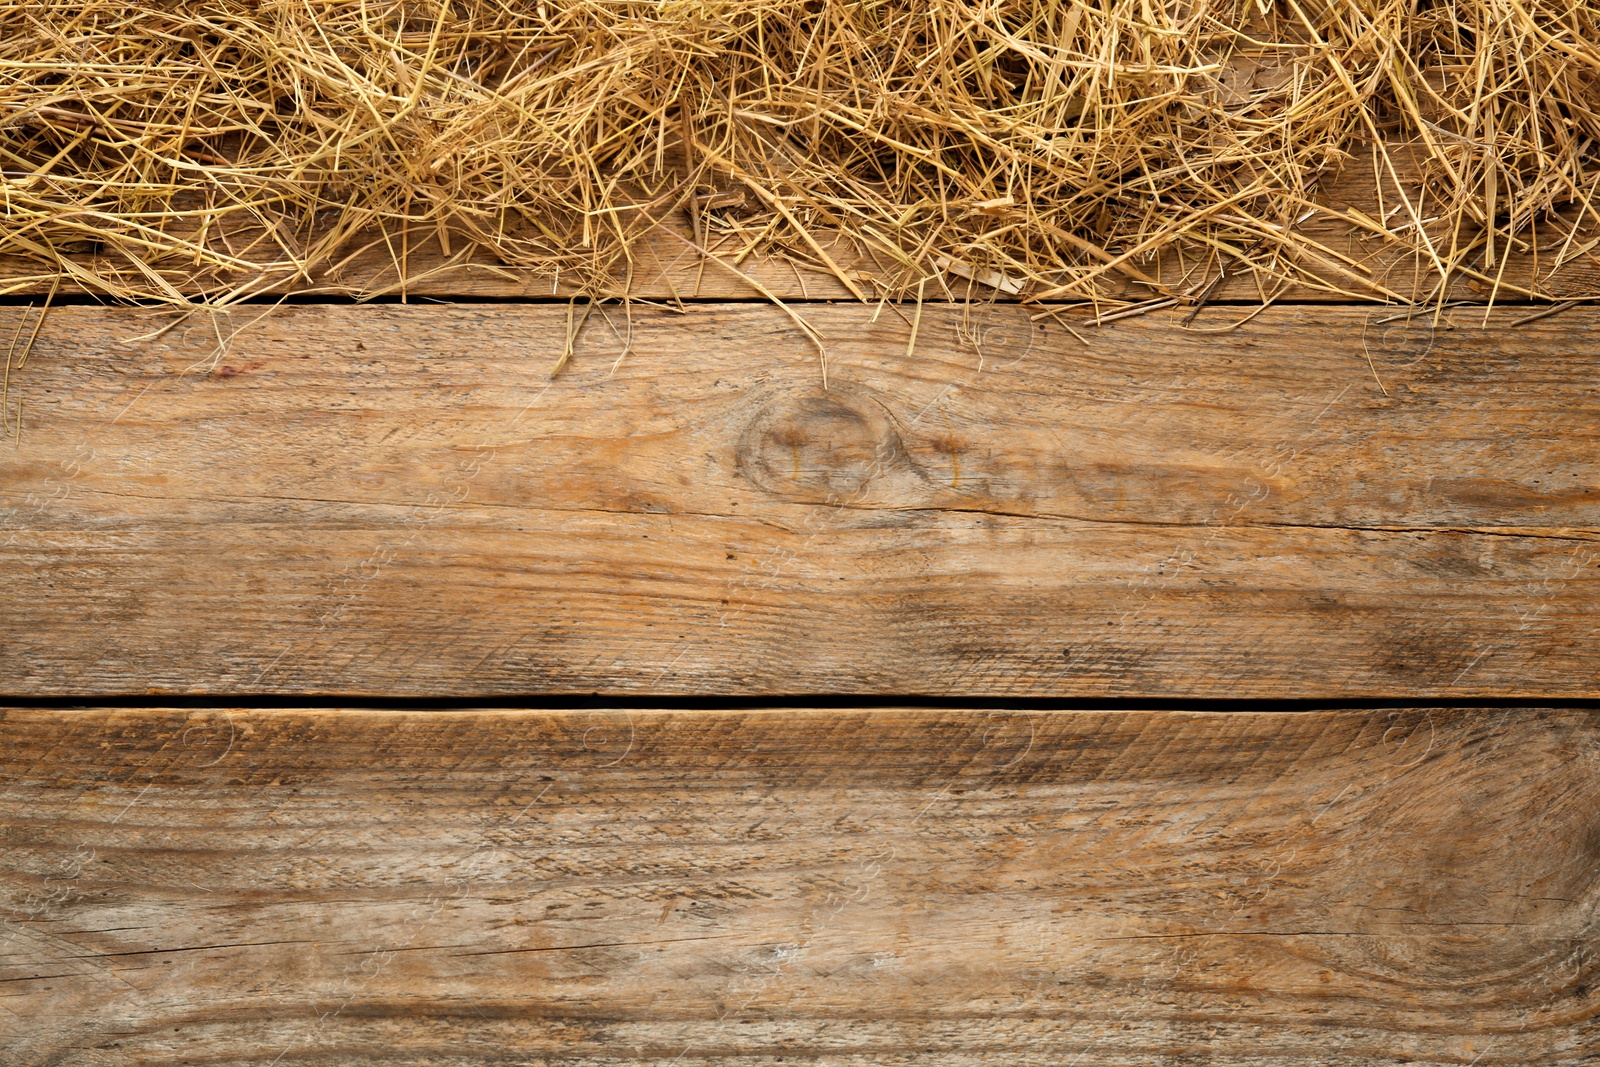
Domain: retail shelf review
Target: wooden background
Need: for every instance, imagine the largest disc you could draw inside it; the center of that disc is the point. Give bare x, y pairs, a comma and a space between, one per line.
215, 536
397, 500
846, 887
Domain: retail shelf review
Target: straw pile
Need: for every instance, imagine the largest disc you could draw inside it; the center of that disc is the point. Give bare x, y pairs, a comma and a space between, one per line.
1049, 146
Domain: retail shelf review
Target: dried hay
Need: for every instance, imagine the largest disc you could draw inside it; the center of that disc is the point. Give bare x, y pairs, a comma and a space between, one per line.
1048, 147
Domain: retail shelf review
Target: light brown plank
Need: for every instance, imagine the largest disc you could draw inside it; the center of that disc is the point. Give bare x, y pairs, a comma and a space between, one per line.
840, 888
398, 500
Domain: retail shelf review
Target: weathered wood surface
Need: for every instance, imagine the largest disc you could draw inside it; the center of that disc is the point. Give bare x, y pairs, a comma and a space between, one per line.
399, 500
1348, 261
863, 888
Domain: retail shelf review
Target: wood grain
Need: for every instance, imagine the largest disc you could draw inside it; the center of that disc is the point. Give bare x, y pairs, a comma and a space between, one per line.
399, 500
840, 888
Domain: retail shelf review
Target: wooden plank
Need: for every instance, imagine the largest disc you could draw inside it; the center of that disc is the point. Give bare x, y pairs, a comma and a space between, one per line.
399, 500
316, 888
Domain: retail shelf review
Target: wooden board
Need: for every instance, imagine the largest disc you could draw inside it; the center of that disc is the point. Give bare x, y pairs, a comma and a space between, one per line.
837, 888
400, 501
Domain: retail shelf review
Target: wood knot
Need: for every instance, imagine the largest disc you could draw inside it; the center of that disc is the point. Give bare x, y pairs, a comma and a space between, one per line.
826, 447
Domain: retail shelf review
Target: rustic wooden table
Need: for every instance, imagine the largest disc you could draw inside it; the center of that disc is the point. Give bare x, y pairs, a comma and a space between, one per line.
377, 698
